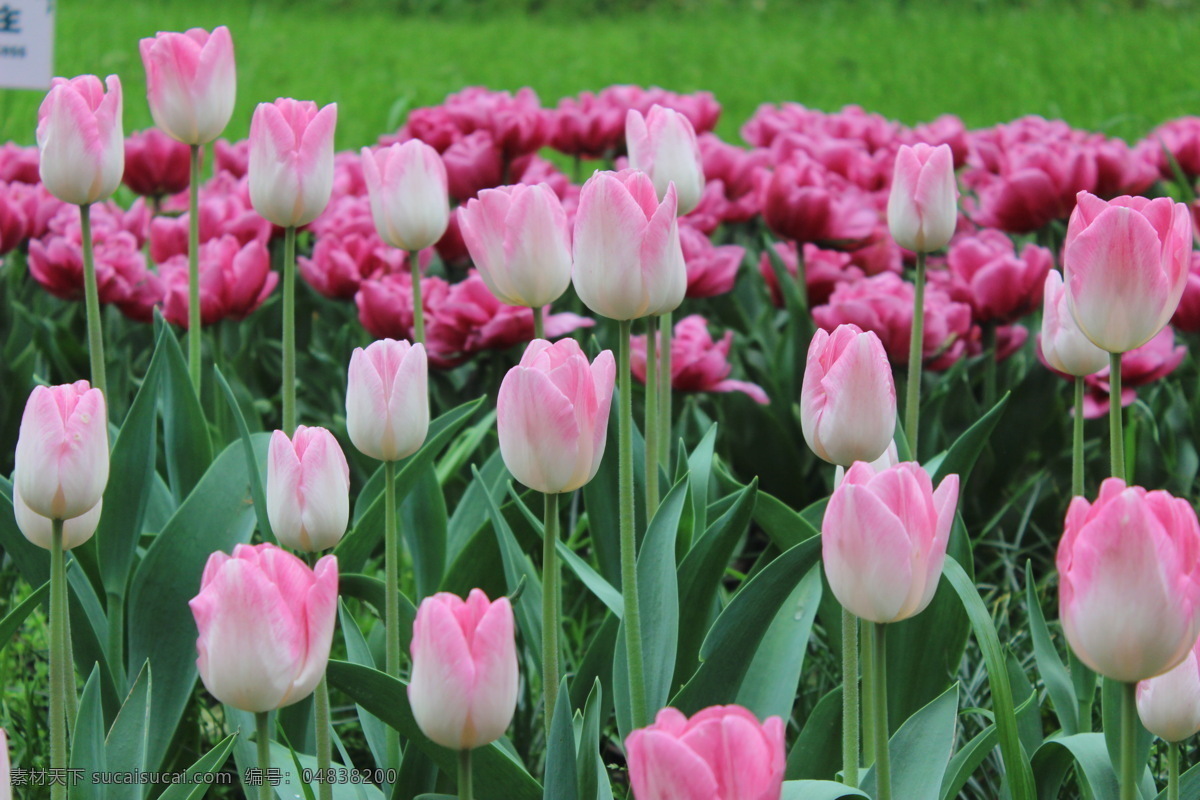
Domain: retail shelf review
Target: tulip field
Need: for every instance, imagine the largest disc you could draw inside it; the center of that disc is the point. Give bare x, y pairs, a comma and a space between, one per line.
620, 443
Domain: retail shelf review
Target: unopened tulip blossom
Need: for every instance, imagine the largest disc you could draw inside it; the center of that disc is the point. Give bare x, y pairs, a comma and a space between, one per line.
662, 143
1169, 705
308, 489
191, 82
40, 530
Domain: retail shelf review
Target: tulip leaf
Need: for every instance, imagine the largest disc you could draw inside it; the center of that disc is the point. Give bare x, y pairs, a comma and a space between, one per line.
358, 652
498, 775
968, 758
127, 741
597, 665
960, 457
13, 619
561, 782
87, 741
253, 466
1087, 750
1189, 784
818, 790
186, 440
1050, 667
464, 447
599, 498
817, 753
210, 762
699, 467
470, 513
422, 520
593, 777
920, 750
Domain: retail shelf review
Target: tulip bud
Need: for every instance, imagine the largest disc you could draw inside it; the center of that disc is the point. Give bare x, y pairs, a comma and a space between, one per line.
721, 753
191, 82
62, 450
552, 415
890, 458
848, 399
40, 531
266, 625
308, 489
80, 138
409, 201
1169, 705
1125, 266
628, 260
463, 689
884, 539
923, 205
1064, 346
387, 399
663, 145
1129, 581
520, 242
291, 160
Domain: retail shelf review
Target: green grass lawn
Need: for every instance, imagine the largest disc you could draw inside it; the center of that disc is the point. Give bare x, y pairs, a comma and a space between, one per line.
1118, 70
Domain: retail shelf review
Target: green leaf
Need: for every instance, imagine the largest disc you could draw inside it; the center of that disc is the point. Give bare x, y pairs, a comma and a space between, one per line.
253, 466
817, 753
699, 463
464, 447
1050, 667
818, 790
1054, 758
968, 758
920, 750
12, 621
212, 761
960, 458
127, 742
87, 741
604, 591
561, 781
185, 433
498, 775
470, 513
358, 652
784, 526
593, 778
423, 525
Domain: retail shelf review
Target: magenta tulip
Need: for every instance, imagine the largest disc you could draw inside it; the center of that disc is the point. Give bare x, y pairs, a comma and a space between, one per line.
62, 450
463, 689
191, 82
266, 625
40, 531
698, 363
80, 138
408, 191
663, 145
1063, 345
155, 164
923, 205
721, 753
552, 415
387, 399
1169, 705
308, 489
291, 160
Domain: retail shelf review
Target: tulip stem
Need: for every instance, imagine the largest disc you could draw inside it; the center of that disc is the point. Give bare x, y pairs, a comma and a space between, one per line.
629, 588
1116, 431
289, 330
539, 323
1172, 771
550, 617
849, 699
1077, 443
91, 296
666, 331
912, 402
193, 339
883, 766
414, 263
58, 666
465, 792
651, 448
1129, 726
263, 725
391, 588
324, 741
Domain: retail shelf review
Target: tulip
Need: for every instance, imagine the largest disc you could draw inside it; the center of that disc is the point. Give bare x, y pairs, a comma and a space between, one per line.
387, 402
80, 139
191, 82
155, 164
308, 489
519, 240
721, 753
1169, 705
628, 260
291, 160
698, 363
1063, 345
848, 399
234, 281
39, 529
1125, 267
266, 625
407, 187
922, 207
464, 682
663, 145
62, 450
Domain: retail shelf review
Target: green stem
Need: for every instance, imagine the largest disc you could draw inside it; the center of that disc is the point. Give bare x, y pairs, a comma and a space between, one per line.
651, 448
550, 618
193, 339
324, 741
58, 665
465, 792
883, 766
666, 332
391, 599
1172, 771
867, 646
629, 587
91, 296
1129, 726
414, 262
1077, 442
289, 330
912, 402
849, 699
1115, 432
263, 725
989, 364
539, 323
68, 673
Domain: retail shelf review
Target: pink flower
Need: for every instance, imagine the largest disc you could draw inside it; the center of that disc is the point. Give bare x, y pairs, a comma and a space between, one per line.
308, 489
14, 223
340, 264
463, 689
986, 271
40, 531
235, 280
266, 625
472, 164
387, 399
824, 270
232, 157
804, 202
224, 210
291, 160
1169, 705
711, 269
1061, 345
1129, 581
883, 539
19, 164
721, 753
1187, 315
734, 170
587, 127
1152, 361
155, 164
698, 364
1181, 138
407, 187
191, 82
923, 204
81, 145
663, 145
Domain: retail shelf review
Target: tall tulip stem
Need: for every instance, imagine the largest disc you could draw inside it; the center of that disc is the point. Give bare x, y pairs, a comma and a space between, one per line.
912, 400
391, 616
324, 741
849, 699
58, 667
1077, 442
414, 263
1172, 771
550, 616
1129, 727
883, 766
539, 323
91, 296
666, 331
629, 588
193, 338
262, 722
289, 330
1116, 430
651, 449
465, 791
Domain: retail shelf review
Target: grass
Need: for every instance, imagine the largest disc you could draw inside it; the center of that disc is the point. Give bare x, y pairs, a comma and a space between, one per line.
1108, 68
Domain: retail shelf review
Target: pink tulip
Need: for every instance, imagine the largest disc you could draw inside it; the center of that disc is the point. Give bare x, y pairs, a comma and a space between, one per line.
698, 364
1063, 346
1001, 285
628, 260
884, 539
19, 164
80, 139
473, 163
519, 240
1169, 705
552, 415
308, 489
407, 186
824, 271
663, 145
848, 400
232, 157
191, 82
291, 160
1129, 581
587, 126
805, 202
711, 269
14, 223
923, 204
155, 164
62, 450
1187, 315
339, 265
1125, 266
1152, 361
225, 209
721, 753
235, 280
463, 689
39, 529
387, 399
266, 625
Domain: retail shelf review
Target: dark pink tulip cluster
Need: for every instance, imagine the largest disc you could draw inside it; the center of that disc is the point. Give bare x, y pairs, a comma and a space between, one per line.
986, 271
235, 279
592, 125
698, 364
155, 164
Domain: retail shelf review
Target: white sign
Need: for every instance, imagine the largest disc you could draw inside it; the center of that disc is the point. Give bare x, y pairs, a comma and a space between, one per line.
26, 43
